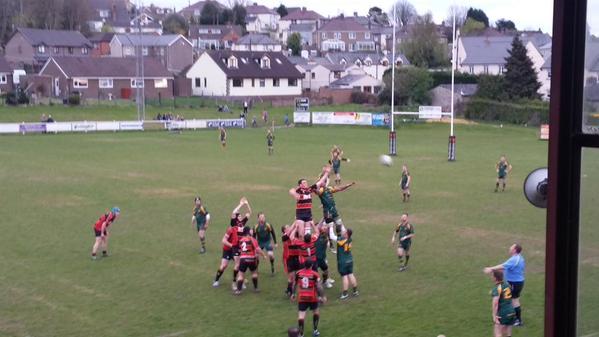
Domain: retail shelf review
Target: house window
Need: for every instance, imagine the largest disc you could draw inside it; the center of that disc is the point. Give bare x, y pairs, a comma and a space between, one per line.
129, 51
56, 50
486, 69
161, 83
70, 50
80, 83
253, 83
368, 63
292, 82
161, 51
205, 82
232, 63
3, 79
104, 13
262, 83
41, 49
105, 83
198, 82
324, 35
313, 75
352, 35
265, 63
237, 83
351, 47
549, 73
144, 51
366, 36
337, 36
471, 69
137, 83
276, 82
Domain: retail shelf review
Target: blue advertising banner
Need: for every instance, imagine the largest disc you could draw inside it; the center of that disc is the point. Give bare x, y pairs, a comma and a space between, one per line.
381, 119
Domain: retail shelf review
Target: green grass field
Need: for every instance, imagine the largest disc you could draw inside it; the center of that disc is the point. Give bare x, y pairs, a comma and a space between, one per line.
54, 187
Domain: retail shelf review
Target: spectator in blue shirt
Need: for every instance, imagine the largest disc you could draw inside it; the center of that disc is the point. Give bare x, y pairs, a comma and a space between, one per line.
514, 270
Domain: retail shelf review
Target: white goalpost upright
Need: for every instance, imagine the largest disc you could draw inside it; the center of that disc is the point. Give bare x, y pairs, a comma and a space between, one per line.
424, 111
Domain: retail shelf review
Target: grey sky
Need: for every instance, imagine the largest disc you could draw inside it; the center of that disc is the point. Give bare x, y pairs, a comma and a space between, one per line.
527, 14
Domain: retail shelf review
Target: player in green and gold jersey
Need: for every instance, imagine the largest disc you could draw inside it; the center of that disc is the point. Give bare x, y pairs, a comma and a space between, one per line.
270, 140
345, 261
263, 232
503, 168
503, 312
201, 219
405, 232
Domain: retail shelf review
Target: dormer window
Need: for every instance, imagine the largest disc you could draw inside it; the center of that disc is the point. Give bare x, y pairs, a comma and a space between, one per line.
41, 49
343, 62
232, 62
265, 63
368, 62
358, 63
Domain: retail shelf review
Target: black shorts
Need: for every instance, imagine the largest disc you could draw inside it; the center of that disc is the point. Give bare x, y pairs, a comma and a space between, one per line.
516, 288
293, 264
322, 264
303, 216
245, 264
99, 233
228, 254
303, 306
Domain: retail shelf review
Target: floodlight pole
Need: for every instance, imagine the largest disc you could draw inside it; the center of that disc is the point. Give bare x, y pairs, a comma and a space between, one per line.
392, 134
451, 145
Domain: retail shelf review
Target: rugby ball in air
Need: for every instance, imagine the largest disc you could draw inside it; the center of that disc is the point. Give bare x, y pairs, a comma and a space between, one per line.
385, 160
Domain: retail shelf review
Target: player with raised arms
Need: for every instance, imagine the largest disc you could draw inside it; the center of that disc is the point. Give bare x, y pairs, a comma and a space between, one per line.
303, 197
201, 220
101, 231
335, 161
231, 242
293, 246
263, 232
308, 296
248, 248
329, 208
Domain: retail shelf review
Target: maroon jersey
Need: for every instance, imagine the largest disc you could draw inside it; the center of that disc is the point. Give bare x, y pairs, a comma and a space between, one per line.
307, 279
232, 238
108, 218
247, 248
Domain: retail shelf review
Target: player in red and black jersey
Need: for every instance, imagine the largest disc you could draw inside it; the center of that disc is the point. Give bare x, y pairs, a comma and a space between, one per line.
303, 197
292, 245
230, 242
248, 248
309, 294
308, 248
101, 231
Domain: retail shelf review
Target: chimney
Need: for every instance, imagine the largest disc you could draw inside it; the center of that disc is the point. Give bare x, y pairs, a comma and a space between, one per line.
369, 23
303, 9
113, 12
356, 14
255, 4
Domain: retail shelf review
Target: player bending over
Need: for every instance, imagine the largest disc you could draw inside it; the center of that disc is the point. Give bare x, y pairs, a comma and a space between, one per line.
405, 232
231, 242
263, 232
345, 262
201, 219
308, 296
303, 197
503, 168
248, 248
101, 231
336, 159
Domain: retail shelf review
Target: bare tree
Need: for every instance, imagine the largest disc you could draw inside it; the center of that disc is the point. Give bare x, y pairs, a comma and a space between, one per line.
75, 14
405, 12
10, 17
461, 14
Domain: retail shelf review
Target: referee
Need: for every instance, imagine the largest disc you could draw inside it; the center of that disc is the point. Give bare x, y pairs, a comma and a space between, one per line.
514, 269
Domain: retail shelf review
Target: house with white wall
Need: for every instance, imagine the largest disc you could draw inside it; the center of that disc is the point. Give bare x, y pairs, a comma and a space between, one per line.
261, 19
487, 55
359, 82
244, 74
256, 42
302, 21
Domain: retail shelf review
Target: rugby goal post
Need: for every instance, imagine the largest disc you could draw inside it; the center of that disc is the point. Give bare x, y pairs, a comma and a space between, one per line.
424, 112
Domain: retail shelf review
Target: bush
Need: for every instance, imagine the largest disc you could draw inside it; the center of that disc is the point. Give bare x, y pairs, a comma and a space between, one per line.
17, 97
444, 77
74, 99
359, 97
531, 112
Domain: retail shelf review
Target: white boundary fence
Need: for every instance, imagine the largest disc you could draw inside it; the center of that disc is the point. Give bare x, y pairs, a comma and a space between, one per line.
114, 126
342, 118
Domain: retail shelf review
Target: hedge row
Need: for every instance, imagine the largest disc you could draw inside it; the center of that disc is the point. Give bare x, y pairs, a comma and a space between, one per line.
521, 112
